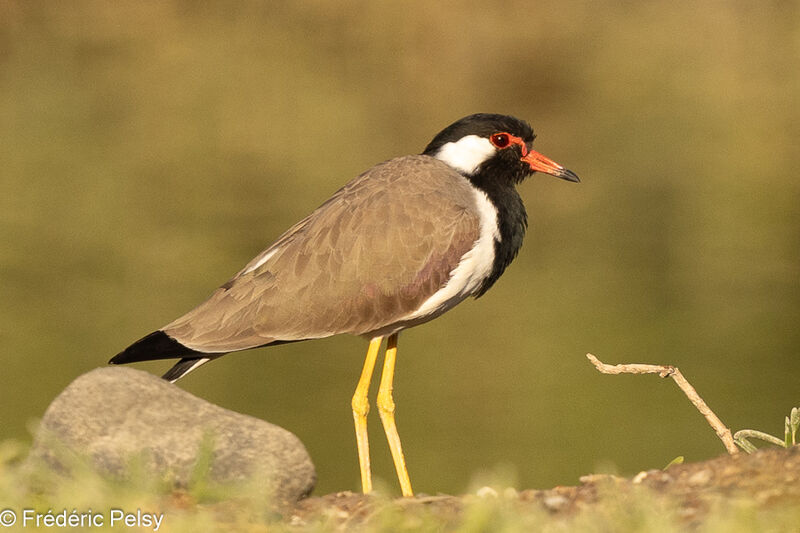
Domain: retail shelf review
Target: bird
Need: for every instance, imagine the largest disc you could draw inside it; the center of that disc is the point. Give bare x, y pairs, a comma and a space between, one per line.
397, 246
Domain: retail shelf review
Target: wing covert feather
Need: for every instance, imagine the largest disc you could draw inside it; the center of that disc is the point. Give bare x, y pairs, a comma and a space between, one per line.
361, 262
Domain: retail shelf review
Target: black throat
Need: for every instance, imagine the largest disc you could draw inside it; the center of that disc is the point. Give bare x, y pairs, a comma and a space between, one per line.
512, 221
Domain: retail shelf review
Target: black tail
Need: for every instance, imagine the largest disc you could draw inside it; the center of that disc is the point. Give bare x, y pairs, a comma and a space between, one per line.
157, 345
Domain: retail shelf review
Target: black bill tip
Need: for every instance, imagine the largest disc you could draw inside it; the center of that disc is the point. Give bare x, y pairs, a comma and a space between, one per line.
568, 175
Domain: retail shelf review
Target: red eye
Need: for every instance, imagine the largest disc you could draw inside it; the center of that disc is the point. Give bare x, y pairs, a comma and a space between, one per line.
500, 140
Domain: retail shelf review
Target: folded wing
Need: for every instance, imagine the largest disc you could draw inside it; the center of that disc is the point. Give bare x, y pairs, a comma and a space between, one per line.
363, 262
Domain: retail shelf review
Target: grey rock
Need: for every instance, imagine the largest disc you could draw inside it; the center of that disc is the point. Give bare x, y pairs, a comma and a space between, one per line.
116, 416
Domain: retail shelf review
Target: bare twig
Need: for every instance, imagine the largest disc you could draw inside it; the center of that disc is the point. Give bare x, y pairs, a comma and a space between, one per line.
667, 370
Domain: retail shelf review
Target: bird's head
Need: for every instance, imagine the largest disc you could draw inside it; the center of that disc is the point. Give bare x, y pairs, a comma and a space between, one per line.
493, 147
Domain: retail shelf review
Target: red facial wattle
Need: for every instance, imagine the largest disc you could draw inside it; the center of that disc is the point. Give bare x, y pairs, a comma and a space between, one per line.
534, 159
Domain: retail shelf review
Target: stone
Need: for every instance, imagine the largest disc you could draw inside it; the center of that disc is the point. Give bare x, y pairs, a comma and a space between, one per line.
114, 415
701, 477
555, 502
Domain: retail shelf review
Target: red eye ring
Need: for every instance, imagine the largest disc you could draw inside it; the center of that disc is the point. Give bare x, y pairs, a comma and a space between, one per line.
500, 140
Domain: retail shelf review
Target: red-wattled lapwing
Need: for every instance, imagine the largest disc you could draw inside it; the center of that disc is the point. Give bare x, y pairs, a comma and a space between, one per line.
398, 246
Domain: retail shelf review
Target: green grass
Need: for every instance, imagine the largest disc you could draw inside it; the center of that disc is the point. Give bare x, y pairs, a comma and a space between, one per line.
498, 508
790, 428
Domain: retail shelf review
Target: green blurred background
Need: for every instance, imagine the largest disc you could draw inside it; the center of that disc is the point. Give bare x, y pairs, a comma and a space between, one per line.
149, 149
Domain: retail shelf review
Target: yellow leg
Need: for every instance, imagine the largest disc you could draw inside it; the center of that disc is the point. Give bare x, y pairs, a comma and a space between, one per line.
360, 406
386, 410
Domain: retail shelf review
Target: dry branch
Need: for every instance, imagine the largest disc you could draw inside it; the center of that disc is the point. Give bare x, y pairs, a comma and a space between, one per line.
667, 370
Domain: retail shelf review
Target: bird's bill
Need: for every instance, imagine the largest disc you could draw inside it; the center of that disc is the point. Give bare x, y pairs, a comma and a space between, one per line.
540, 163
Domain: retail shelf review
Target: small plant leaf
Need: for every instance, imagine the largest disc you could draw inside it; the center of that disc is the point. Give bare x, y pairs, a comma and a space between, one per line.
740, 438
744, 444
677, 461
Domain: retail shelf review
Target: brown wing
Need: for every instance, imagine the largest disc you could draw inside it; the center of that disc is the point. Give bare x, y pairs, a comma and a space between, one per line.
362, 262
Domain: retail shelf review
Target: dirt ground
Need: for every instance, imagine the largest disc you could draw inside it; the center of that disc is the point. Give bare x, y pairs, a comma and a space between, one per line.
769, 477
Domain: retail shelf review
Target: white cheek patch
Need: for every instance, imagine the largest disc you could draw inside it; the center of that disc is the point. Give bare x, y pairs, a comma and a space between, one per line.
467, 153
